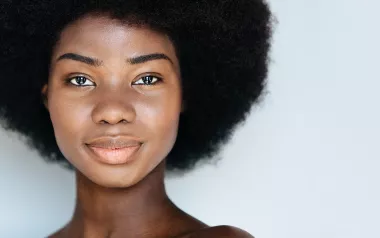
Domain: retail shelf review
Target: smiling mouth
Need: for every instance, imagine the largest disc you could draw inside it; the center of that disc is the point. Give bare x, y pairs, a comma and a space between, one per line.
114, 156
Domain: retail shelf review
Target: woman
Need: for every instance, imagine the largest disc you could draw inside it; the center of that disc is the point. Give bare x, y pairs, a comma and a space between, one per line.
122, 90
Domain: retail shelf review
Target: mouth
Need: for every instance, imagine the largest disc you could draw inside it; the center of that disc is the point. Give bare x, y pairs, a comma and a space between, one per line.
114, 156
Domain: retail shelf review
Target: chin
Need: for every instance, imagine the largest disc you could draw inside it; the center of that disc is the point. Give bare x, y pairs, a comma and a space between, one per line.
124, 175
116, 176
112, 176
115, 183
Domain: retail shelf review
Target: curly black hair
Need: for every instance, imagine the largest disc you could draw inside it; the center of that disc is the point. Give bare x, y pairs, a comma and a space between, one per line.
222, 46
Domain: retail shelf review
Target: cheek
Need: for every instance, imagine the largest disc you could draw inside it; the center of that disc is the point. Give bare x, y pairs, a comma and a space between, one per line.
159, 121
161, 116
68, 119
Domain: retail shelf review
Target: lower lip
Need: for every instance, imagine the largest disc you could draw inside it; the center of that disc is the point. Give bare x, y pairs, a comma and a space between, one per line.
114, 156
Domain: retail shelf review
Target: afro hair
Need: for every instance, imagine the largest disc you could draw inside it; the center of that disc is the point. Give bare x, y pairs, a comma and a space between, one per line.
222, 45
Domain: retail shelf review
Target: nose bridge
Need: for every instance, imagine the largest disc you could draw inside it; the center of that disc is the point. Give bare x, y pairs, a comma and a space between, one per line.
114, 104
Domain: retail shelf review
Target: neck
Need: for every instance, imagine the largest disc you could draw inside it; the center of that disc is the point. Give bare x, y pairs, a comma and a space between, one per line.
121, 212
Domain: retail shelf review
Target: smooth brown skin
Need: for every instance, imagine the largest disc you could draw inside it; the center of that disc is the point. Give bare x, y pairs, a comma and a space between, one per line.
127, 200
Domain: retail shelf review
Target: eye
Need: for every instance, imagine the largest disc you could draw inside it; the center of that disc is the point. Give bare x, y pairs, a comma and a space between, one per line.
79, 81
148, 80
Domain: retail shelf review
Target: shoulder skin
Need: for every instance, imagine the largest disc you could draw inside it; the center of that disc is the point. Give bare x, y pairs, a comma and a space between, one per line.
219, 232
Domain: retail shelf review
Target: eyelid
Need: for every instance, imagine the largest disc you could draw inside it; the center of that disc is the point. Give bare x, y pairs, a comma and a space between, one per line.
154, 75
73, 76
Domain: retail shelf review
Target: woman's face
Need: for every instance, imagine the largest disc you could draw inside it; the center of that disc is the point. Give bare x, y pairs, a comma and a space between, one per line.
107, 123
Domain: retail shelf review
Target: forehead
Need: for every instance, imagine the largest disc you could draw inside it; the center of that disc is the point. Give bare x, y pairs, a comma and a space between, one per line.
105, 38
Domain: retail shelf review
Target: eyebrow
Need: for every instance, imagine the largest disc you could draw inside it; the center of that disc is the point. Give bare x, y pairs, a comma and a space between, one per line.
96, 62
81, 58
144, 58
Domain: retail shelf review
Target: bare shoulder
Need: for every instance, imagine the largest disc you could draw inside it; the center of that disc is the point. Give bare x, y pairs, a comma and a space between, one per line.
219, 232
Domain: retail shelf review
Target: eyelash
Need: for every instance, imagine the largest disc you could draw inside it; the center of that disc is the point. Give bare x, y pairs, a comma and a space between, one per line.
149, 78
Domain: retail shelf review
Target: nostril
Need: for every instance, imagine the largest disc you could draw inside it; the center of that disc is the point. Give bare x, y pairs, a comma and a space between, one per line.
106, 122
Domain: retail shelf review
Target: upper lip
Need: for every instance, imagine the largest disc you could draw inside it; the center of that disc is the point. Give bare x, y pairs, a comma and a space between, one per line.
114, 142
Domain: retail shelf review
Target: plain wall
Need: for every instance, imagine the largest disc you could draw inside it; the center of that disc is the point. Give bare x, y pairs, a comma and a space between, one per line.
305, 164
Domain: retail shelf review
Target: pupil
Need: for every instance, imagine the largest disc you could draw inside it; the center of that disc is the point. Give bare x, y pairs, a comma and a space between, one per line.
147, 79
80, 80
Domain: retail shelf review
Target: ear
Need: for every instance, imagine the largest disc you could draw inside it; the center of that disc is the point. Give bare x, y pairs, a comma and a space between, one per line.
44, 96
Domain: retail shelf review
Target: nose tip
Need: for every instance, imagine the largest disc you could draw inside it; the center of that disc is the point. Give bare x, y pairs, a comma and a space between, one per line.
113, 113
113, 104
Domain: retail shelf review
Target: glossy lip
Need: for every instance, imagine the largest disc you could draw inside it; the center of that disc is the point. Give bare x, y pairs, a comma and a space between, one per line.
113, 142
114, 156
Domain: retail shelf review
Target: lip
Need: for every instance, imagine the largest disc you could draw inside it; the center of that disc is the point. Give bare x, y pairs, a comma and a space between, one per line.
114, 156
114, 150
113, 142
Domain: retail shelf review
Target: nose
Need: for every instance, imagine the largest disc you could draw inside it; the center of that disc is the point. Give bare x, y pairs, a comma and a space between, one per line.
113, 108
